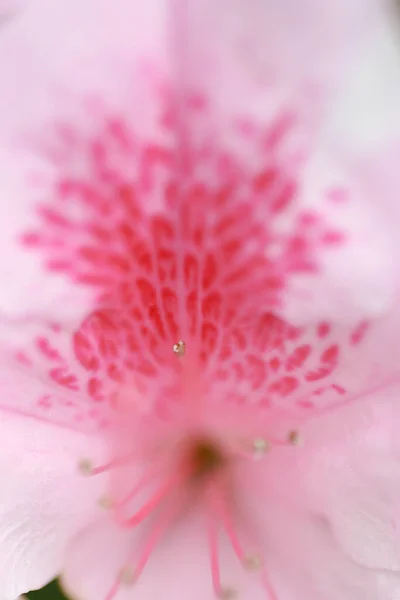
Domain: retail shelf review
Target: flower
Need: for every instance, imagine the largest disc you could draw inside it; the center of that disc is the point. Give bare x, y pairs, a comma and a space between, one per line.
154, 395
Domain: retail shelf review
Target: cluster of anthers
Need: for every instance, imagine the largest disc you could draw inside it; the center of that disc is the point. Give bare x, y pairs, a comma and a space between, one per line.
188, 470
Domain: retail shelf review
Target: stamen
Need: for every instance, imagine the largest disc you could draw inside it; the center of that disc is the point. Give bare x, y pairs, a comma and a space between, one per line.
260, 447
221, 592
226, 520
126, 577
87, 468
154, 501
143, 481
106, 502
294, 438
113, 591
253, 562
268, 587
227, 594
129, 574
179, 348
158, 531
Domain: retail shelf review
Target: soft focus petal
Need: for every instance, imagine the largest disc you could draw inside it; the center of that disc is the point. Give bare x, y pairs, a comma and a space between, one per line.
41, 376
306, 554
309, 564
353, 479
91, 42
43, 500
180, 567
356, 159
156, 86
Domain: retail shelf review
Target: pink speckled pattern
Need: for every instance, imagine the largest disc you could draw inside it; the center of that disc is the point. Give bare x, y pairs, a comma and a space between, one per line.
176, 423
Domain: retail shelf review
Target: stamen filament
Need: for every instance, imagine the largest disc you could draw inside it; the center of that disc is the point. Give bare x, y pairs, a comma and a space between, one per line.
113, 591
154, 501
214, 558
226, 521
268, 587
86, 467
159, 529
146, 478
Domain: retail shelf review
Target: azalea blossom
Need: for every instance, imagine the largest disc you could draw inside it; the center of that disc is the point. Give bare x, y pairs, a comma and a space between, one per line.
173, 199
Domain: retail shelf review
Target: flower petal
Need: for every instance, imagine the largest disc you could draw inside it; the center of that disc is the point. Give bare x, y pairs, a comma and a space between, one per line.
179, 566
309, 564
43, 500
41, 376
91, 41
98, 93
357, 470
357, 165
277, 67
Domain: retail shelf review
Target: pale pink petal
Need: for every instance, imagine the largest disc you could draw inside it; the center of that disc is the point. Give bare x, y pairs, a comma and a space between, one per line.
106, 134
94, 49
180, 566
43, 500
353, 479
303, 557
302, 509
47, 374
309, 564
357, 161
365, 116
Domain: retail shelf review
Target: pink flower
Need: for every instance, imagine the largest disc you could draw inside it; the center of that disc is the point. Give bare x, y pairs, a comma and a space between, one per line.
164, 215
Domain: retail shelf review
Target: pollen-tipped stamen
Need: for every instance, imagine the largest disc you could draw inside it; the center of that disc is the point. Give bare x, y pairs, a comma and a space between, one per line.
145, 480
252, 562
222, 512
129, 574
212, 533
86, 467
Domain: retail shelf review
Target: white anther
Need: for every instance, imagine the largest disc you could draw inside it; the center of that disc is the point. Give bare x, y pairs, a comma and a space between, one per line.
127, 576
253, 562
179, 348
85, 466
105, 502
260, 447
227, 594
294, 438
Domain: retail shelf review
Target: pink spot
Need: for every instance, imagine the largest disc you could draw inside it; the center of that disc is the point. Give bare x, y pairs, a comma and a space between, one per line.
284, 386
94, 389
333, 238
330, 355
298, 357
84, 352
337, 195
359, 332
63, 378
323, 330
46, 348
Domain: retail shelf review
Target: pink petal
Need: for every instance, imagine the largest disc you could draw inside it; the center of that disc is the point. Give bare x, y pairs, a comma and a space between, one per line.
43, 500
91, 41
360, 148
353, 479
97, 94
43, 378
302, 556
309, 565
180, 566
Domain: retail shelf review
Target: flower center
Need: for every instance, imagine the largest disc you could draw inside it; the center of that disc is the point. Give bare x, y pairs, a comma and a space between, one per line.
205, 458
